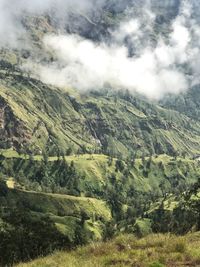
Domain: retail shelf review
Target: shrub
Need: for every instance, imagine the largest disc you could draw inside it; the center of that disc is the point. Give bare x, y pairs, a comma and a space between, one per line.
156, 264
180, 247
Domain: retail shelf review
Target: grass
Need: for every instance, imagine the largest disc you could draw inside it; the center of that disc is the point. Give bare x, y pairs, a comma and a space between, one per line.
65, 211
54, 203
155, 250
96, 170
71, 120
10, 153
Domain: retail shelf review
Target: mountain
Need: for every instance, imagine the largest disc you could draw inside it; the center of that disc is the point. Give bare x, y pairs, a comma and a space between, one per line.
90, 156
35, 117
186, 103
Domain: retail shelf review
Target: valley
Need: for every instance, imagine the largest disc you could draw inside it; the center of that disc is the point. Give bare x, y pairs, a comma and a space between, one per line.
99, 133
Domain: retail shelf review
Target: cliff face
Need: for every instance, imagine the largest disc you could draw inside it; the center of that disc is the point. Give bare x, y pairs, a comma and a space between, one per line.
34, 116
13, 132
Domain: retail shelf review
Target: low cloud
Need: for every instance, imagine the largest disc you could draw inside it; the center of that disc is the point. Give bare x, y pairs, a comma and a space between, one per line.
13, 11
85, 65
129, 60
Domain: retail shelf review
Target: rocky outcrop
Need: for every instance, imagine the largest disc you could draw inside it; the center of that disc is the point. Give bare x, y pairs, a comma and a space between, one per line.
13, 132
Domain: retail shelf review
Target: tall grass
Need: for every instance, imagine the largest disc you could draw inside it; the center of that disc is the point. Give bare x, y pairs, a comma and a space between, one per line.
155, 250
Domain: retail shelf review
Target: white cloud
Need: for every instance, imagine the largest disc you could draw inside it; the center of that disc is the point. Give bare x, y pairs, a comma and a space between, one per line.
131, 27
86, 65
153, 70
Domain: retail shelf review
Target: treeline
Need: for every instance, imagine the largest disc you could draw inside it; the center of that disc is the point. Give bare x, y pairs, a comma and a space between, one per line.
43, 176
25, 235
181, 219
21, 240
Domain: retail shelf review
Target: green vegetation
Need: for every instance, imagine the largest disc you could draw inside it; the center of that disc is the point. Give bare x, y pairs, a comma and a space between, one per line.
79, 168
178, 214
107, 196
126, 250
91, 166
40, 117
89, 174
129, 187
34, 224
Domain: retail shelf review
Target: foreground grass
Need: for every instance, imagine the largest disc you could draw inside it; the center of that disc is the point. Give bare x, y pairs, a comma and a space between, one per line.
127, 250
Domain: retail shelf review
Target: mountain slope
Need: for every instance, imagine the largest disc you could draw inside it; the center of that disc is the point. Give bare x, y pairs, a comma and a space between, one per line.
84, 165
35, 116
91, 174
186, 103
41, 223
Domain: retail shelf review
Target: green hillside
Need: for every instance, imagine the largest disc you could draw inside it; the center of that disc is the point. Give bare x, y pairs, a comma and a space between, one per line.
43, 222
104, 176
85, 167
35, 117
107, 196
49, 203
186, 103
93, 174
152, 251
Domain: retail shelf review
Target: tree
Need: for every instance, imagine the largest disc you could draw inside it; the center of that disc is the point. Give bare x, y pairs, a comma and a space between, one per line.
119, 165
24, 237
45, 157
3, 188
69, 151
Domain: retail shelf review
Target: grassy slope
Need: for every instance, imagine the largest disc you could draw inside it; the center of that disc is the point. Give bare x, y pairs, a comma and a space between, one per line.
96, 169
68, 205
128, 125
125, 251
64, 210
120, 125
163, 170
51, 117
47, 114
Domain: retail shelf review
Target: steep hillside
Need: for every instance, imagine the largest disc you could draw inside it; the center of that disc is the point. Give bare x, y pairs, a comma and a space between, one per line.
90, 174
43, 222
88, 150
35, 117
77, 220
186, 103
129, 188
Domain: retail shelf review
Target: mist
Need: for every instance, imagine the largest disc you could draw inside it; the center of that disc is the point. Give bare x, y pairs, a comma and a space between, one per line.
129, 60
86, 65
12, 13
